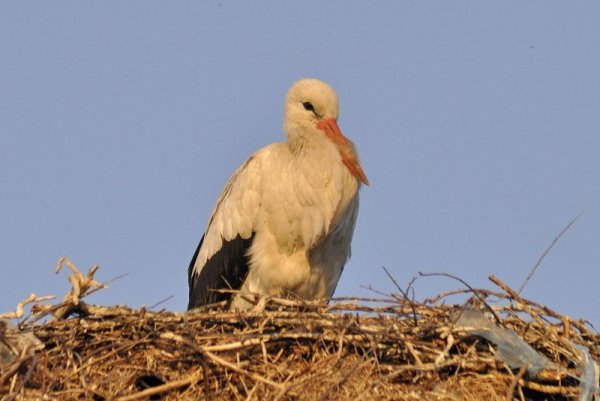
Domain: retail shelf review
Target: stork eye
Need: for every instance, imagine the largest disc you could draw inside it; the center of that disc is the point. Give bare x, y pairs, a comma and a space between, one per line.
308, 106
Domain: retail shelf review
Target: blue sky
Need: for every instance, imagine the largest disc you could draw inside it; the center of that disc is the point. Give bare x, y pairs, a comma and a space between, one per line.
478, 125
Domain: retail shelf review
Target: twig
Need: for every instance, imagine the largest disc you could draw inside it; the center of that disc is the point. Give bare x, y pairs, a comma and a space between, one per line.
161, 302
446, 294
370, 288
81, 286
404, 294
512, 293
19, 311
193, 378
541, 258
515, 381
549, 389
471, 289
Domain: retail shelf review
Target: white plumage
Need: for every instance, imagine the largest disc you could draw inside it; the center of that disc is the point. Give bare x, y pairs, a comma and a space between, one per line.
284, 221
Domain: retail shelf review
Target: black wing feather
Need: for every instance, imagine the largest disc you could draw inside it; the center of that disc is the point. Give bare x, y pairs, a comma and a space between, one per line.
226, 269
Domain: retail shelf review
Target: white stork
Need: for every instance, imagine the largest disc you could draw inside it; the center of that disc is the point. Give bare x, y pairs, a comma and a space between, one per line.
284, 221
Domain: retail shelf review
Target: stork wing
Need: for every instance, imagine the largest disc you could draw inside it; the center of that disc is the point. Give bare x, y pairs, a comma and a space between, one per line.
334, 248
221, 260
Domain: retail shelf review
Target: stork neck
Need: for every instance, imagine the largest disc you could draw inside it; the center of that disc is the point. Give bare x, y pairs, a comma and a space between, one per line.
315, 144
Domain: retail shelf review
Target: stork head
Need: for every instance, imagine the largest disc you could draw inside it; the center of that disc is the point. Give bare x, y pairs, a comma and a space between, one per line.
311, 111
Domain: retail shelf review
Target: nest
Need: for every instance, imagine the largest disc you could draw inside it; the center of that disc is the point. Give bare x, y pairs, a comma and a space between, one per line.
350, 349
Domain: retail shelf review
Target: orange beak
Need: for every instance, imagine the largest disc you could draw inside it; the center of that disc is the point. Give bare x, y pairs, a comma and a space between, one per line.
345, 147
